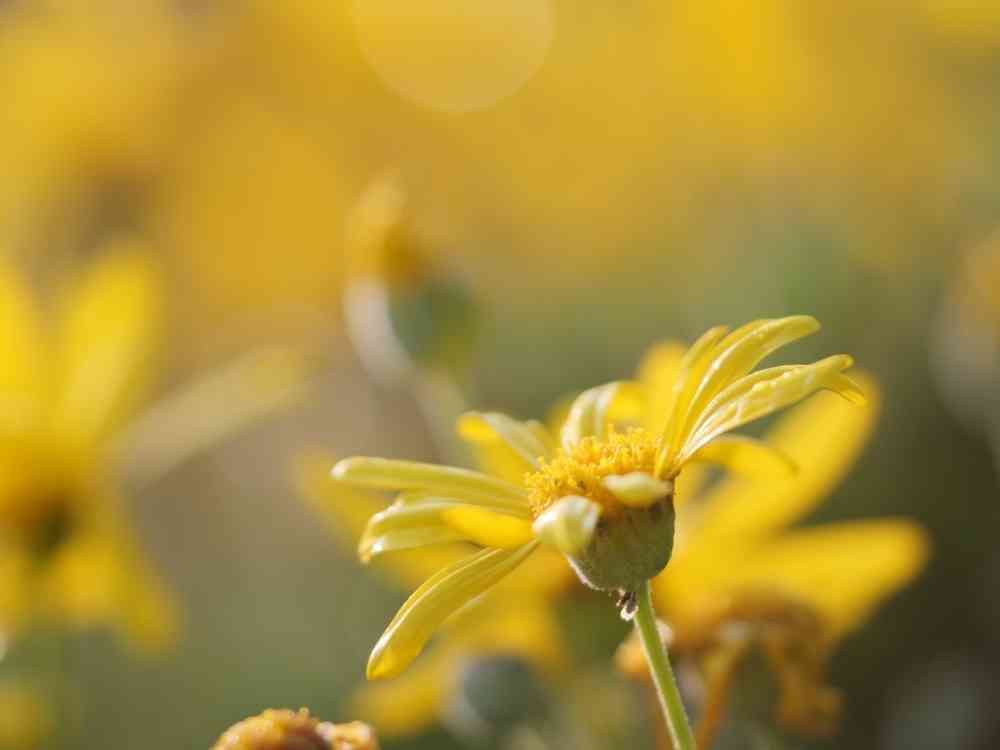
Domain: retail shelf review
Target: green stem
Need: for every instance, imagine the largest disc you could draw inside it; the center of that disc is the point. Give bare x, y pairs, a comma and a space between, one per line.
663, 675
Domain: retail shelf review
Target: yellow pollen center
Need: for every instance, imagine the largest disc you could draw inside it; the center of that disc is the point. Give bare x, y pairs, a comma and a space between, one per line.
582, 471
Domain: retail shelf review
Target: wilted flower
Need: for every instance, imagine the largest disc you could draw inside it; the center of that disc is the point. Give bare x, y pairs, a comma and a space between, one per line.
602, 497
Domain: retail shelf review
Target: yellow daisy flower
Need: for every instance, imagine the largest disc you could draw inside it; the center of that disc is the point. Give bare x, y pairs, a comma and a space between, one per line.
414, 701
603, 498
736, 562
74, 442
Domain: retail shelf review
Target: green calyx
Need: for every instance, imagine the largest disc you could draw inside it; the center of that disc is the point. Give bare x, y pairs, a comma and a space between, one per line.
627, 549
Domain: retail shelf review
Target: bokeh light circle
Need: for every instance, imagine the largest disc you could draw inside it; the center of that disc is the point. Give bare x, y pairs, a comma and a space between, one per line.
454, 55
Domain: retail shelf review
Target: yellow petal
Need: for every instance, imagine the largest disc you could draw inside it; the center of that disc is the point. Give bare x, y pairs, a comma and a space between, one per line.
744, 352
438, 598
201, 415
22, 345
638, 489
658, 372
505, 447
407, 526
529, 629
692, 367
772, 395
588, 415
487, 528
101, 579
347, 511
843, 570
429, 521
568, 524
447, 481
109, 339
413, 701
747, 456
823, 437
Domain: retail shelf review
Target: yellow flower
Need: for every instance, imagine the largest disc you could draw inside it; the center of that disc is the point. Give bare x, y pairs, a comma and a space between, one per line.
740, 575
74, 442
528, 630
601, 497
295, 730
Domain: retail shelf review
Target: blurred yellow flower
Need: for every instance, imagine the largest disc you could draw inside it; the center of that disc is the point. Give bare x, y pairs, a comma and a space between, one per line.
92, 93
74, 443
738, 572
601, 497
68, 391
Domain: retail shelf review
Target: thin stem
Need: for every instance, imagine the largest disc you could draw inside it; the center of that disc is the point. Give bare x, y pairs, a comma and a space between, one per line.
663, 675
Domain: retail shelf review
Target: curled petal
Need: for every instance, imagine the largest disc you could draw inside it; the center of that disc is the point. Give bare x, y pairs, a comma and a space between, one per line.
523, 439
588, 415
744, 352
568, 524
405, 526
690, 371
769, 396
431, 604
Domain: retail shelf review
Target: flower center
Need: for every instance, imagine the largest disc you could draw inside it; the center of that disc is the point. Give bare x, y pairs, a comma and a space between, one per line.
582, 471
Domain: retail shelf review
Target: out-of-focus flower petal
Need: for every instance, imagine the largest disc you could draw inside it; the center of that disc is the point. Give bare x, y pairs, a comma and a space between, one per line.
747, 457
823, 437
111, 322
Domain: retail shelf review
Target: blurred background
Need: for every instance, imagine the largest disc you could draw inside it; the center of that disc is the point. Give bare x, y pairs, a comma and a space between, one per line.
581, 180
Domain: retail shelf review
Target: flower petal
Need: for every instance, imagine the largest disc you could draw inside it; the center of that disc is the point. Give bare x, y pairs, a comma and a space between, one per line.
638, 489
843, 570
431, 604
507, 447
470, 486
658, 373
568, 524
743, 353
588, 415
769, 396
22, 342
823, 436
747, 456
200, 415
111, 323
413, 701
692, 367
406, 526
487, 528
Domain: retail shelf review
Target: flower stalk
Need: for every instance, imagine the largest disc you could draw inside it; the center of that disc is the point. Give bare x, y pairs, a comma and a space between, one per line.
661, 671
